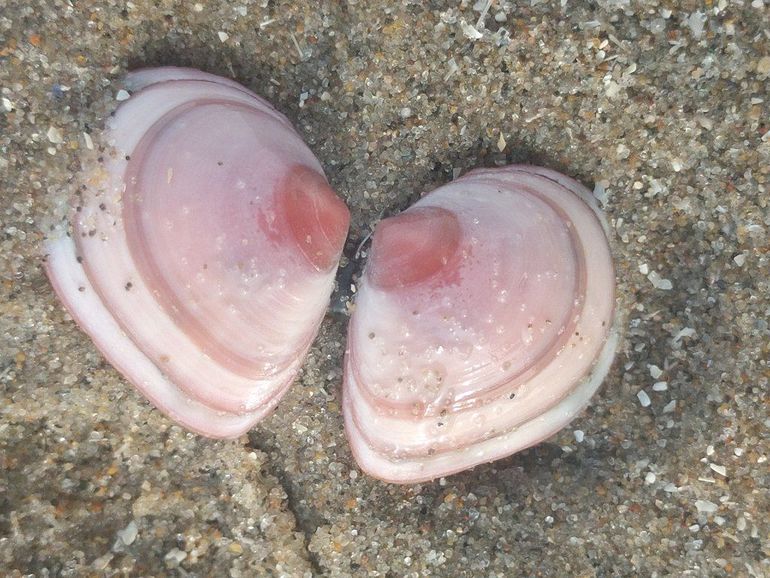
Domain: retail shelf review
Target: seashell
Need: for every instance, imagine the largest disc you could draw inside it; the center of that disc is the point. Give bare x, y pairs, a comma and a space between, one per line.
484, 322
203, 249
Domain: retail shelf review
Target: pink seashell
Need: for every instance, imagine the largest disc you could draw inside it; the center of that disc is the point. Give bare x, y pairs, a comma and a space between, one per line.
484, 323
203, 250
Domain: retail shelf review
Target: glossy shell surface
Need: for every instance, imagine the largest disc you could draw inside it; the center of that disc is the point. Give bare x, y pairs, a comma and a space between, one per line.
202, 250
483, 324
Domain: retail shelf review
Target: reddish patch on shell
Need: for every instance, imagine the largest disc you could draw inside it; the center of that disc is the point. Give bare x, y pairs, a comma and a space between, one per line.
316, 216
412, 247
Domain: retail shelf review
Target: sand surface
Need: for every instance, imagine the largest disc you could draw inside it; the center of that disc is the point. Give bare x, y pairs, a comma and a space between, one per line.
661, 107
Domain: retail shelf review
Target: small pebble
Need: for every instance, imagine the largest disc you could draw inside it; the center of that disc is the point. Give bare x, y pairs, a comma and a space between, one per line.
721, 470
470, 32
174, 557
102, 562
705, 506
650, 478
659, 282
501, 144
126, 536
54, 135
763, 65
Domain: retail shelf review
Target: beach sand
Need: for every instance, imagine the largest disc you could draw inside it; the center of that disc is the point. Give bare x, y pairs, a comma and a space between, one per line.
662, 108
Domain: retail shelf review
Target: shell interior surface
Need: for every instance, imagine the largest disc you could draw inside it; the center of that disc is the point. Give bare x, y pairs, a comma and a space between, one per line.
483, 324
203, 249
